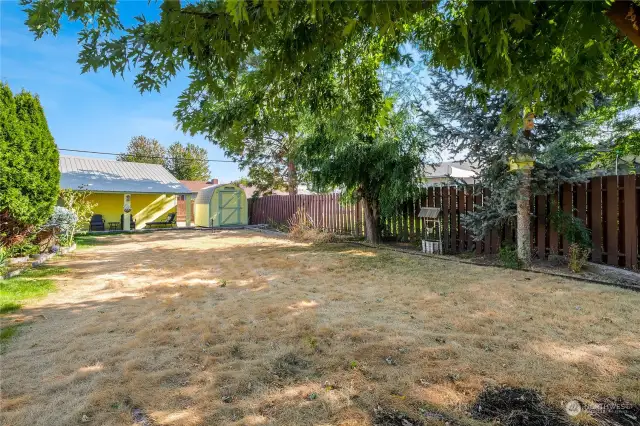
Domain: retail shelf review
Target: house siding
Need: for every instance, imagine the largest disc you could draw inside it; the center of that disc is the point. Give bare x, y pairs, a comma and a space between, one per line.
144, 207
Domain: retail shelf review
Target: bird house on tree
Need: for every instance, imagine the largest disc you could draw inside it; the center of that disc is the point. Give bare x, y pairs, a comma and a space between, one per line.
431, 229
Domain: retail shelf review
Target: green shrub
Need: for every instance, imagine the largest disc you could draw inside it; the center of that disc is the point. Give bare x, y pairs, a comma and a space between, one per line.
508, 256
29, 176
572, 228
23, 248
578, 236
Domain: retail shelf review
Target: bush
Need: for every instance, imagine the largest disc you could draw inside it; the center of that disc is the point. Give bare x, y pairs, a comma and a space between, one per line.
578, 236
78, 203
62, 224
578, 256
4, 255
508, 256
23, 248
301, 228
29, 175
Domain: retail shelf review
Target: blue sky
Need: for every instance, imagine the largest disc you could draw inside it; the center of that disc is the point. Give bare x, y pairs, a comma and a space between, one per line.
94, 111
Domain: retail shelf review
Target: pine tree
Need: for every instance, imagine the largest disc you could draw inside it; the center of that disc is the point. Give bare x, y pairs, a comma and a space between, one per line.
476, 131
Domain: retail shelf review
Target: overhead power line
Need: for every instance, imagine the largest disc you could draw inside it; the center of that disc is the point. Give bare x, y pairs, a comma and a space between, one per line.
144, 156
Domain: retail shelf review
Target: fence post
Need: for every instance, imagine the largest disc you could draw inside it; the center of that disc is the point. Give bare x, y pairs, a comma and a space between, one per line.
631, 214
567, 208
595, 212
612, 219
541, 235
453, 198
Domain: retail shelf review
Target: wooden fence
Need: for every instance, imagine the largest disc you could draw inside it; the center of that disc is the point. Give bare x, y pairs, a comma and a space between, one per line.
609, 206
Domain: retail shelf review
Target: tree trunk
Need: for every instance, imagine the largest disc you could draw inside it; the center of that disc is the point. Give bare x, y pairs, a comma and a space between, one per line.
371, 221
293, 178
524, 220
626, 16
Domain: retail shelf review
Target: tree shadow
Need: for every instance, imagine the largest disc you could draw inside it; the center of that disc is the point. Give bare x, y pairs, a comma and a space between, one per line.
192, 328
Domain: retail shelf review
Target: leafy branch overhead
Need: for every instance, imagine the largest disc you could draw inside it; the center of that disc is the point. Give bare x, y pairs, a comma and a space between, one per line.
554, 56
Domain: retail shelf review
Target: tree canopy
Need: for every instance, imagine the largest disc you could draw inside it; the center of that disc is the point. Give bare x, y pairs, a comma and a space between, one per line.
263, 68
142, 149
550, 55
185, 162
29, 174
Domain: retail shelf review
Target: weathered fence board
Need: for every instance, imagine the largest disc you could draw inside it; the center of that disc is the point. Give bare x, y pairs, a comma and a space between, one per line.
609, 206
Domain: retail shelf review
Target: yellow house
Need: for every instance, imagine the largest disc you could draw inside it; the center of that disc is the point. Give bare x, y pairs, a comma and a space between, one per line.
143, 192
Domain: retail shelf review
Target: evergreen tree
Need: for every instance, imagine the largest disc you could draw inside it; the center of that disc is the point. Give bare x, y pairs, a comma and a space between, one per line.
29, 169
477, 132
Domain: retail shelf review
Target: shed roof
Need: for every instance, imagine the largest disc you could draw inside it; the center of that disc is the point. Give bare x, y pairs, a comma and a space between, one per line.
196, 185
205, 194
102, 175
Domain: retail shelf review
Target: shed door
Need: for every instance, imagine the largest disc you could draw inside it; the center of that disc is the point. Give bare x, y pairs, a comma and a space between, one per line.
229, 207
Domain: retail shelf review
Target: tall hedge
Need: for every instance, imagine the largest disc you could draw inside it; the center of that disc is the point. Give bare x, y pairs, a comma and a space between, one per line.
29, 175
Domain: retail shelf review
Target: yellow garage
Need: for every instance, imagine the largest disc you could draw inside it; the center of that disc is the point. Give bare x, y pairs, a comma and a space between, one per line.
221, 205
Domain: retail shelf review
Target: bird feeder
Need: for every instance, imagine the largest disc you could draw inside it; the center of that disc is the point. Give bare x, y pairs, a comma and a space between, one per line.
432, 229
521, 163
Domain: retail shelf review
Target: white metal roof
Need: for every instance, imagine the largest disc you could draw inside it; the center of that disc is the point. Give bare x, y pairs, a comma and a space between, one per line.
101, 175
454, 169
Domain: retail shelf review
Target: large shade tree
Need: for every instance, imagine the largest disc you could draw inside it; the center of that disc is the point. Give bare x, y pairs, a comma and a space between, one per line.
550, 56
142, 149
260, 135
187, 162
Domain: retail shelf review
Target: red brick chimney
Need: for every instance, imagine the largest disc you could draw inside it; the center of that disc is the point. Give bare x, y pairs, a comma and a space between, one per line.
213, 181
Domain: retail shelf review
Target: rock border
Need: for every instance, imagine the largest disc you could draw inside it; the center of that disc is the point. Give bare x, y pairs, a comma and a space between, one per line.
41, 260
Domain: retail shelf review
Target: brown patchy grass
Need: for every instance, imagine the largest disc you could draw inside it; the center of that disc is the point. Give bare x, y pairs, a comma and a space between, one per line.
302, 334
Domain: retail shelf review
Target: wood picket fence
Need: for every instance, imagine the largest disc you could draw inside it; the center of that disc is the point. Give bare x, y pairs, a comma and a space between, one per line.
609, 206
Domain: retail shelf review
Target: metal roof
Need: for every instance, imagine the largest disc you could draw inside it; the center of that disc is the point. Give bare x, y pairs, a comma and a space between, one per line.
101, 175
429, 212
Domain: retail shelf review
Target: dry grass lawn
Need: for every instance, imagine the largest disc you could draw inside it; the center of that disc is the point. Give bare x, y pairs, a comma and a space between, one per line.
191, 328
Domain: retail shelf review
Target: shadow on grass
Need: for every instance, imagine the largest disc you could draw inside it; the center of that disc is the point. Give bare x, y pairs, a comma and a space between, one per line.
29, 285
225, 334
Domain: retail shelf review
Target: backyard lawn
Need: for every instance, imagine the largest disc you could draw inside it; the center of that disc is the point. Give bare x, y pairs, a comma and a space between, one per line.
236, 327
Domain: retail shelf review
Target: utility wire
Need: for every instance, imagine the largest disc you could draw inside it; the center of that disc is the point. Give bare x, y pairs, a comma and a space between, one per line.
145, 156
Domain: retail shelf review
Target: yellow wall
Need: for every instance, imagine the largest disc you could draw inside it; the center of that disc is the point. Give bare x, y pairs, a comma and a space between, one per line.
202, 215
144, 207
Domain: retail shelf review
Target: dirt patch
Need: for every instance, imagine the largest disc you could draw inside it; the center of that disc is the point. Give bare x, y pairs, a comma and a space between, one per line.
384, 417
517, 407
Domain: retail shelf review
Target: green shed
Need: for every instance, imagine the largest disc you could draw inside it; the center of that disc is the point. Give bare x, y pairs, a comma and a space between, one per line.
221, 205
